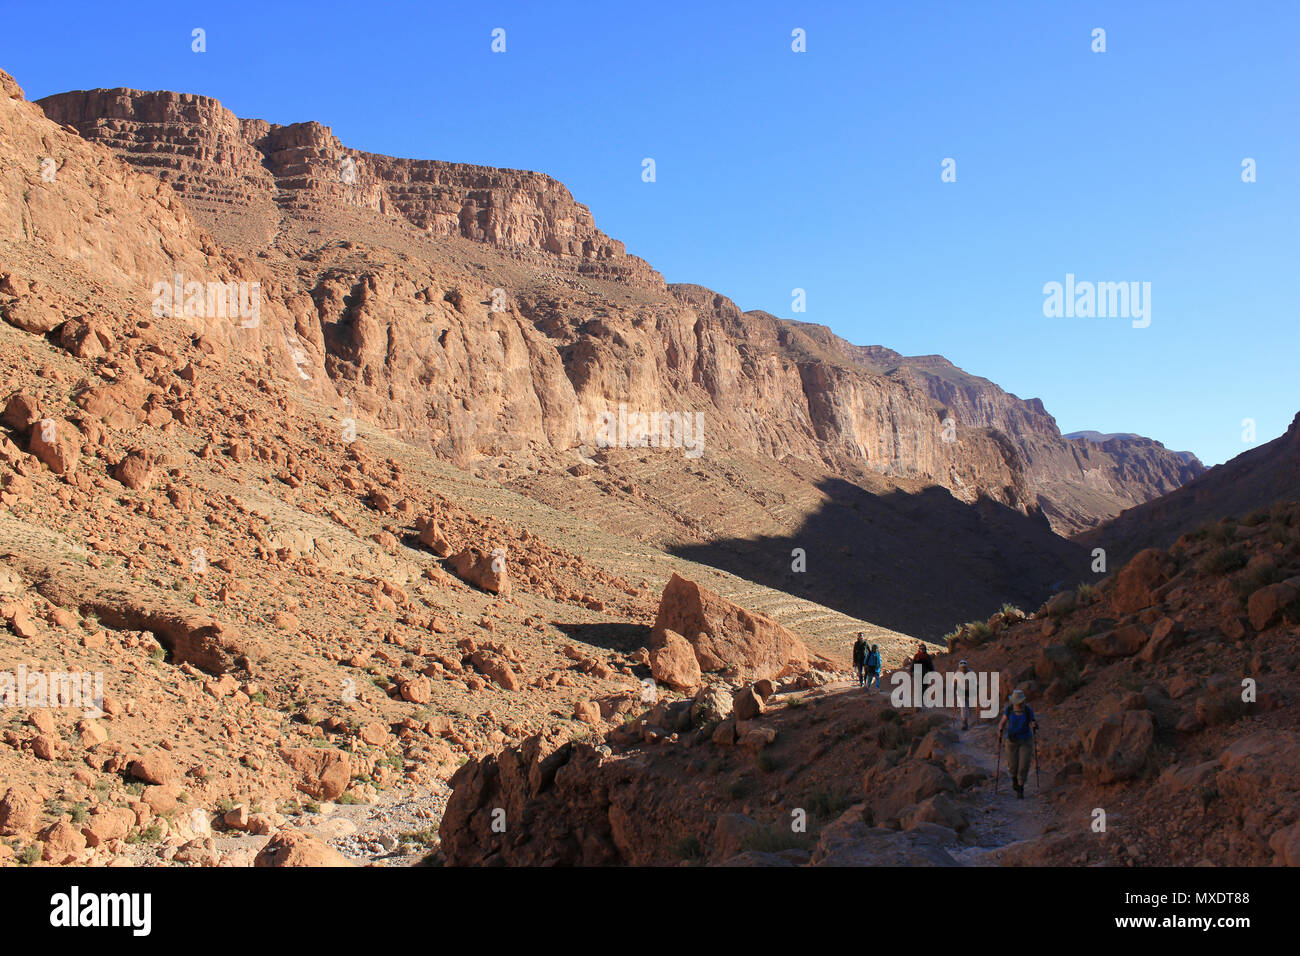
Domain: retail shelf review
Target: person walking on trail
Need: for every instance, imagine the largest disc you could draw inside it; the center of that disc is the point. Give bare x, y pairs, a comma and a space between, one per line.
965, 696
922, 657
1020, 725
872, 666
859, 658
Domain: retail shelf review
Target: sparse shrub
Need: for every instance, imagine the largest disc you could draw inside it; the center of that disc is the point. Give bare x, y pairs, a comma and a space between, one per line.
426, 837
1252, 581
1256, 517
1084, 594
1222, 532
1222, 561
30, 854
1073, 637
1072, 679
689, 848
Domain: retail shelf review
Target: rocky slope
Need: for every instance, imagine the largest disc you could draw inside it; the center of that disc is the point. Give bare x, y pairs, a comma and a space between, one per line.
1254, 479
582, 328
1167, 698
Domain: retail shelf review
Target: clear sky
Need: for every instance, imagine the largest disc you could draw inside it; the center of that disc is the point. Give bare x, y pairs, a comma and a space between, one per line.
822, 170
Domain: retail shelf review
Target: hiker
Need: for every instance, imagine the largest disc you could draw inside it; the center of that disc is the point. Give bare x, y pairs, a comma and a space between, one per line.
872, 667
859, 657
922, 657
1021, 725
965, 701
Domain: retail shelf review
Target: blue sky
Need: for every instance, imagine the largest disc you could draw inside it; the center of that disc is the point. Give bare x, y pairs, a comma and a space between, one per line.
821, 170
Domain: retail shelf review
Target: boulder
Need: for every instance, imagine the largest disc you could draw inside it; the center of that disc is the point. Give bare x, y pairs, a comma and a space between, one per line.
1136, 583
483, 570
33, 315
431, 536
892, 791
1121, 642
135, 470
1165, 637
1270, 605
20, 810
293, 848
155, 768
746, 704
673, 663
1115, 748
55, 443
323, 772
726, 637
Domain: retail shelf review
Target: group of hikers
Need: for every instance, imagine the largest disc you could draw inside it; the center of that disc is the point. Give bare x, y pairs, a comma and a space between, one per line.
1018, 725
866, 661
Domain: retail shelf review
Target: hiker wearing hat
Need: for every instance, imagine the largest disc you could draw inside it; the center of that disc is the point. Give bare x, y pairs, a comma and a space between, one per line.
1020, 725
964, 700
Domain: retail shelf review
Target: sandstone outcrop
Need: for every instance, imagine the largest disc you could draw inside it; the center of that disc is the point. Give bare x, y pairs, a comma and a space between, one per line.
725, 637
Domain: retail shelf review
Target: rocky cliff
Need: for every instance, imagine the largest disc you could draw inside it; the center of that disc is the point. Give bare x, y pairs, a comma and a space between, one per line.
499, 320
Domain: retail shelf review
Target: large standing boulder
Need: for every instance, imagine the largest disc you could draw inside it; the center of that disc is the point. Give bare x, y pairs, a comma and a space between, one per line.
724, 636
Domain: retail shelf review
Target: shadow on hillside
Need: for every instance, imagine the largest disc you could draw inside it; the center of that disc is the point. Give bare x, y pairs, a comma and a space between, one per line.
611, 635
916, 563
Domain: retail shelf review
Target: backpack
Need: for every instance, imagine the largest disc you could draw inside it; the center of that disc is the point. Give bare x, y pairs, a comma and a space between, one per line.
1018, 724
873, 661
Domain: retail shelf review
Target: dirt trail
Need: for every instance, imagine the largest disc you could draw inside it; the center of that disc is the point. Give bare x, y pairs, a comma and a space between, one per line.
999, 819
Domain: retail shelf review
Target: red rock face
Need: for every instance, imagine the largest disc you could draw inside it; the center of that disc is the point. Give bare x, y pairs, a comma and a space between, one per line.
725, 637
537, 365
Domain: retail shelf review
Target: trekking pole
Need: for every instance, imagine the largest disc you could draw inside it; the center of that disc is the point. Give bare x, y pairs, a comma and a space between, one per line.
1038, 780
997, 767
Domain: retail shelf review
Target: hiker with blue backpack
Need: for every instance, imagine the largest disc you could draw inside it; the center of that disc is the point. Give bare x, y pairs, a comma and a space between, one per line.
872, 666
1021, 727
